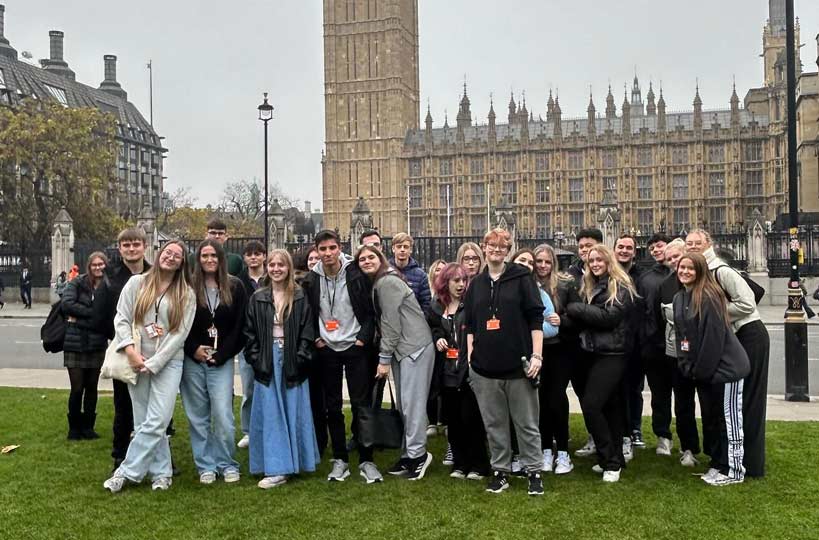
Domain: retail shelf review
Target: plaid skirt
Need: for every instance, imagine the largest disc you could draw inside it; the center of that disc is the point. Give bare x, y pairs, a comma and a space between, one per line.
86, 360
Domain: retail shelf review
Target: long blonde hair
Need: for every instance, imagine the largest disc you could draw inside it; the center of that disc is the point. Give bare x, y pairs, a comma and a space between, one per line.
466, 246
431, 277
550, 283
618, 278
176, 293
284, 310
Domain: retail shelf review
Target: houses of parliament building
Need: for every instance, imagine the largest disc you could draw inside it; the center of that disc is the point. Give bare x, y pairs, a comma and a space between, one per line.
637, 164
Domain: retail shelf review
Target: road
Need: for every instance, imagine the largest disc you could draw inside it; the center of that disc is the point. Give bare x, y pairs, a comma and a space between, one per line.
21, 349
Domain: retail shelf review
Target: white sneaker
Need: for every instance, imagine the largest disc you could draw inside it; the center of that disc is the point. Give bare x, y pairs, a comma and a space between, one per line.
369, 472
548, 461
598, 469
611, 476
162, 484
709, 475
720, 479
458, 474
432, 430
687, 459
340, 471
589, 450
474, 476
231, 475
564, 463
628, 449
207, 477
664, 446
271, 481
115, 483
244, 442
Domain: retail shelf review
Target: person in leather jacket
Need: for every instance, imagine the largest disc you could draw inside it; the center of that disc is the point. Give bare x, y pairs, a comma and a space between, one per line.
608, 295
280, 335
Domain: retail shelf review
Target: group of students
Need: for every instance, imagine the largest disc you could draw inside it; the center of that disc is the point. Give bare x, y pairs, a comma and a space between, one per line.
486, 345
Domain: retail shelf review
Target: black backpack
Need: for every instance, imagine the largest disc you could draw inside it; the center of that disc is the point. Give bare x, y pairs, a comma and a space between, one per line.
52, 333
756, 288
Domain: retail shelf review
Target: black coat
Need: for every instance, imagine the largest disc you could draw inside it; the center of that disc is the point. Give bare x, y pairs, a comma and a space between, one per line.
605, 324
107, 296
652, 332
359, 287
81, 334
454, 331
565, 294
228, 320
299, 338
714, 354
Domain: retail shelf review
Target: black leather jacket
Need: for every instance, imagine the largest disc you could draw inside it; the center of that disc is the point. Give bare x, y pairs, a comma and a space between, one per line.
604, 323
299, 338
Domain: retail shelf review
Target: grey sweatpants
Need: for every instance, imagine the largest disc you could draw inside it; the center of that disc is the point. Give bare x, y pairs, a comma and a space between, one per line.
500, 399
412, 378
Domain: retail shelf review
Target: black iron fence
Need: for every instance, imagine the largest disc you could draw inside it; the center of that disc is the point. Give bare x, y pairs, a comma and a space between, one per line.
14, 256
779, 261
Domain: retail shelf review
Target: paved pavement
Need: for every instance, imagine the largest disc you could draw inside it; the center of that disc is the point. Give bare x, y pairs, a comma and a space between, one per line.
24, 364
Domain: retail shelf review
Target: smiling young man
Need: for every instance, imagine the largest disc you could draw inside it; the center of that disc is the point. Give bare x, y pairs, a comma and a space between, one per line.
409, 269
586, 239
340, 299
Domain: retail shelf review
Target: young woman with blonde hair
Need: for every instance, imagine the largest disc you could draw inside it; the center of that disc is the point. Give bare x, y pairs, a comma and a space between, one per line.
607, 296
471, 258
160, 306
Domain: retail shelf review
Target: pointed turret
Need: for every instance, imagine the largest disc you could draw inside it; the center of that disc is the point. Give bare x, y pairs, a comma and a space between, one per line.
428, 129
513, 109
697, 109
734, 107
611, 110
493, 136
464, 113
661, 121
556, 119
636, 98
651, 108
591, 113
626, 114
550, 106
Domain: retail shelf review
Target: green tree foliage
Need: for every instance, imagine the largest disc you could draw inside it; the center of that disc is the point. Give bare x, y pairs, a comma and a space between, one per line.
52, 157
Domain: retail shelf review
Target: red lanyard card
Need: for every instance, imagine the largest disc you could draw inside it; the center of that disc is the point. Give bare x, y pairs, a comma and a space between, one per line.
452, 353
493, 324
331, 325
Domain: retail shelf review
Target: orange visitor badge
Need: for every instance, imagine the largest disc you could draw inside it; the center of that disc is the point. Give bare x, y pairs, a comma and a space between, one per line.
452, 353
493, 324
331, 325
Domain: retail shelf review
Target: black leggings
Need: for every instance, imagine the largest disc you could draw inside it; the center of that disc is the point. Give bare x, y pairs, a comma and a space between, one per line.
554, 403
602, 404
83, 396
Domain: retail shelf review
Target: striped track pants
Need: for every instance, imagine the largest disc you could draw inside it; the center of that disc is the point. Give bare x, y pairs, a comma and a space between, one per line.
732, 409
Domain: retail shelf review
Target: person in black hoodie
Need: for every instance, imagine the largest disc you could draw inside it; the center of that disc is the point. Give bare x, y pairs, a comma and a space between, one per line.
607, 297
467, 437
207, 375
131, 244
504, 322
84, 348
709, 352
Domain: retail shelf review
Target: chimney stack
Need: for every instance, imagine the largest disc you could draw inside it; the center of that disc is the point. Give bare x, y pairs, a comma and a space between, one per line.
56, 63
5, 48
308, 209
110, 83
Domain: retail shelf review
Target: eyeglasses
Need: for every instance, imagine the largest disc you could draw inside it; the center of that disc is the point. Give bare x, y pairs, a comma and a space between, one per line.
471, 259
496, 247
169, 255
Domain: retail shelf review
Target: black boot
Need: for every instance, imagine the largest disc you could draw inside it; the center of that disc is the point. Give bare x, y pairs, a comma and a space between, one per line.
74, 427
89, 419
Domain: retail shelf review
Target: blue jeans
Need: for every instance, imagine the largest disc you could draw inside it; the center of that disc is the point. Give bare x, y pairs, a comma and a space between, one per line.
153, 398
207, 395
247, 376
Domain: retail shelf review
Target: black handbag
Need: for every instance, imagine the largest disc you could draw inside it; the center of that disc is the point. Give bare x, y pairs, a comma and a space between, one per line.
52, 333
377, 427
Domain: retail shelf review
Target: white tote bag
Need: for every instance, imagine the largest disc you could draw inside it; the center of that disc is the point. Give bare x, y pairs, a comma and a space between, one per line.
116, 364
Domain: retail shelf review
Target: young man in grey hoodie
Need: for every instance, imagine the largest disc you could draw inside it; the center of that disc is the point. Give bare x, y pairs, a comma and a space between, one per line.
340, 297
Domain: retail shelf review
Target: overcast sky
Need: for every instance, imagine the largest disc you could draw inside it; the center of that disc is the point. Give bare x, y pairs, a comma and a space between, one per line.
213, 59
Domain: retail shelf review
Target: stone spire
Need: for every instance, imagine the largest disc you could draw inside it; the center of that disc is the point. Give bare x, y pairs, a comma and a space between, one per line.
464, 114
428, 129
512, 109
734, 107
590, 118
556, 119
697, 109
626, 114
636, 98
651, 109
661, 121
493, 135
611, 110
550, 106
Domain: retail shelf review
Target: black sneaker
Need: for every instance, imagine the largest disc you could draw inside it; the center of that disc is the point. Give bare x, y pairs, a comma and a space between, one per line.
535, 484
637, 439
401, 467
498, 482
418, 467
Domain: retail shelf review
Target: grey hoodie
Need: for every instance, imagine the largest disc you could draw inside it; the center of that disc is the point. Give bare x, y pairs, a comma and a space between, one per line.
404, 328
334, 303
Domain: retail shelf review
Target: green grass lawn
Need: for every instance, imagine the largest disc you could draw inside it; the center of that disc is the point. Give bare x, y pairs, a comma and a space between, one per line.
52, 488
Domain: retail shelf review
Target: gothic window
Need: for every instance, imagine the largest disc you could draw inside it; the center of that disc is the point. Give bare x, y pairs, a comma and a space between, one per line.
609, 159
752, 151
416, 196
477, 194
478, 224
445, 167
680, 220
445, 195
541, 162
543, 224
576, 190
716, 153
645, 220
753, 183
576, 220
415, 168
679, 185
417, 226
509, 192
476, 166
716, 219
644, 157
575, 160
509, 164
778, 179
541, 191
716, 184
679, 155
645, 187
609, 189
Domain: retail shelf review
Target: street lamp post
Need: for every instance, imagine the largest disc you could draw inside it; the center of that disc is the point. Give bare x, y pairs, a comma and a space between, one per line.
265, 114
796, 328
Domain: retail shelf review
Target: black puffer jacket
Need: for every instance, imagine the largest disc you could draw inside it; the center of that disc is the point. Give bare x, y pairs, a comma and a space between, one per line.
652, 334
81, 334
454, 331
565, 294
299, 338
604, 322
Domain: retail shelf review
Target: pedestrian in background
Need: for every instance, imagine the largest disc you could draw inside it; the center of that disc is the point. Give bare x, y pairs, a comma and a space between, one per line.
25, 285
59, 286
83, 348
